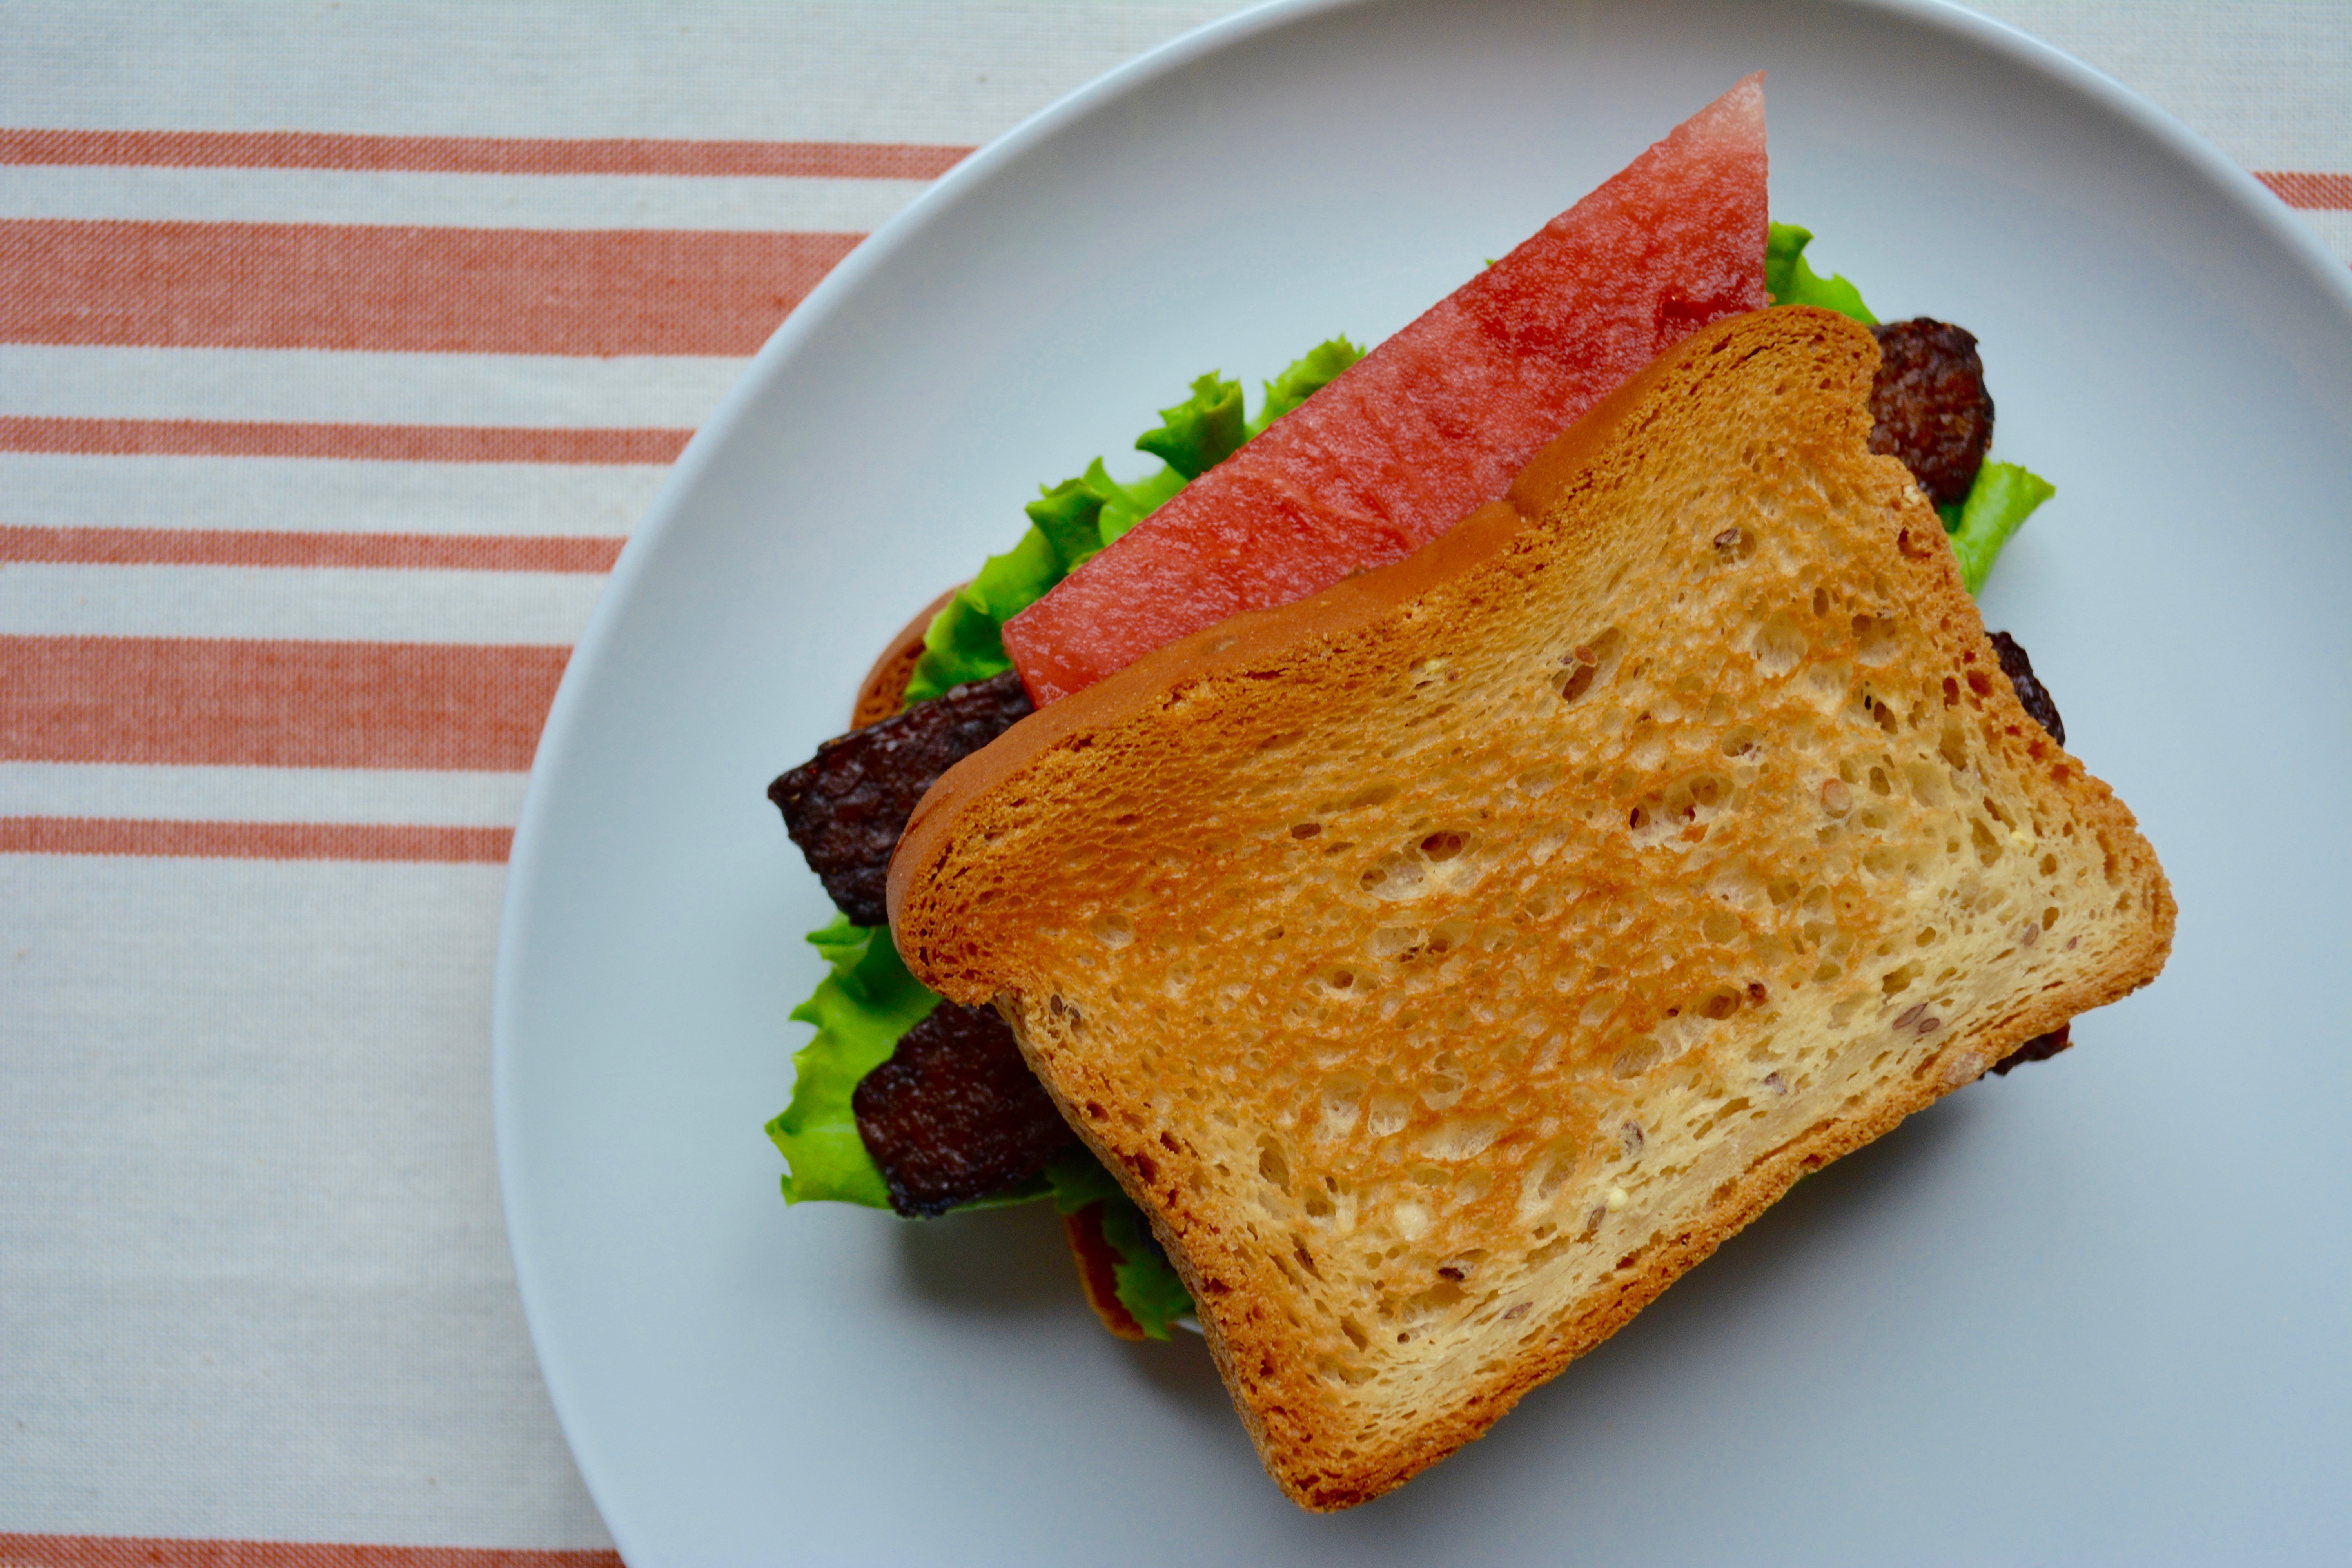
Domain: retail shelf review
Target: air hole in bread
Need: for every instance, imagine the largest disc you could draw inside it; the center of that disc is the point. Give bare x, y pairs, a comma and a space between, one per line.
1273, 1165
1588, 663
1537, 780
1342, 1103
1445, 1082
1875, 641
1635, 1057
1460, 1138
1388, 1112
1927, 785
1779, 644
1546, 1174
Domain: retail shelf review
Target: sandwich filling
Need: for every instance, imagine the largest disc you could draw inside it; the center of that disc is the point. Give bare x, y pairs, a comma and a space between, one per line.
1346, 466
1447, 962
849, 804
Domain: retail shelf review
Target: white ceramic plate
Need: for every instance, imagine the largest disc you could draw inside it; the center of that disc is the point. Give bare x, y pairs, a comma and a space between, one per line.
2096, 1310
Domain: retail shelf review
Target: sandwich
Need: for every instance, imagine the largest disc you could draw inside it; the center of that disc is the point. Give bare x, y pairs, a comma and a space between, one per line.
1446, 961
945, 1086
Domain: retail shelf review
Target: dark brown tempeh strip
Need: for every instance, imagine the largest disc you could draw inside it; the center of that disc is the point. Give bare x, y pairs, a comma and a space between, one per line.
1929, 405
2035, 699
846, 806
955, 1113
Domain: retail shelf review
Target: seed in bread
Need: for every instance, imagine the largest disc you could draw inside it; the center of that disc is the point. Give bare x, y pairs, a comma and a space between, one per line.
1448, 962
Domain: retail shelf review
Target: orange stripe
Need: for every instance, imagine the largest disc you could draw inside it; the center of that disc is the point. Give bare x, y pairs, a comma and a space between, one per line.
228, 703
478, 154
2321, 193
253, 841
272, 547
125, 1551
363, 443
416, 291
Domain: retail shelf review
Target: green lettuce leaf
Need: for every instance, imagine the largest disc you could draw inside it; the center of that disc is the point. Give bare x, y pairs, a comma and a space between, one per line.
2003, 495
1124, 506
1304, 379
1078, 1178
1201, 432
1147, 1285
859, 1010
965, 641
1998, 503
1070, 522
1790, 280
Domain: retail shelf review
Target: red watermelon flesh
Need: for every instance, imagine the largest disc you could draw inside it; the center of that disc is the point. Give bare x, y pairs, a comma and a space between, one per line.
1437, 420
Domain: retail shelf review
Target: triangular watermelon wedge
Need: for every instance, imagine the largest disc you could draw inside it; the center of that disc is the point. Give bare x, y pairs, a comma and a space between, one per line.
1437, 420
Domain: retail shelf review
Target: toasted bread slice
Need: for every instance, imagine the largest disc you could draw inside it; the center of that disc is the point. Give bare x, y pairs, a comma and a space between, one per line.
1448, 962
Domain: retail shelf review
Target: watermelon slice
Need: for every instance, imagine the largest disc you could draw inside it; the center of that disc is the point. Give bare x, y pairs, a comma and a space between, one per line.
1437, 420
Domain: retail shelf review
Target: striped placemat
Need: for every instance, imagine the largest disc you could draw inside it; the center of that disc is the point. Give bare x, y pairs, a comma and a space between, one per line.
339, 350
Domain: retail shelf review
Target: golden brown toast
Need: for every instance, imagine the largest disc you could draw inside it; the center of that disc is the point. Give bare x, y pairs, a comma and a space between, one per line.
1448, 962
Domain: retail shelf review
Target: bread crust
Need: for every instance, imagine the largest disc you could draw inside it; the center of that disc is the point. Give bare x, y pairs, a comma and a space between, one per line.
883, 690
976, 884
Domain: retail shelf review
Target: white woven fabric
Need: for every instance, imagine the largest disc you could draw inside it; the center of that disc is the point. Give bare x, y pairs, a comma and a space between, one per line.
256, 1285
